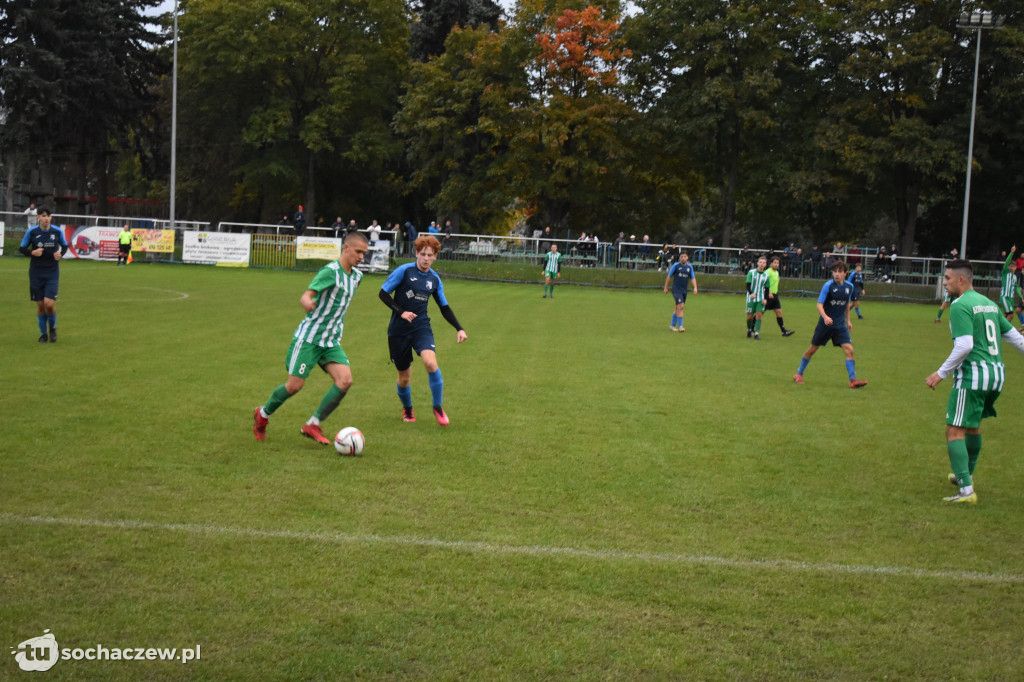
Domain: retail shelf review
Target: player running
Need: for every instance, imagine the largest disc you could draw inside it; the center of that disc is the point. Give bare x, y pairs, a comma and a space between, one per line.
552, 270
317, 341
834, 324
680, 275
413, 284
46, 246
757, 298
976, 365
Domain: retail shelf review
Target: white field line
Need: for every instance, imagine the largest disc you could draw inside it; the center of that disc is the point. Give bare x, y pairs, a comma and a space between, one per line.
474, 547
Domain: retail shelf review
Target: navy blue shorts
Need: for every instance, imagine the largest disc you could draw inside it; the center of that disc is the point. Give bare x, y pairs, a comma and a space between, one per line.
680, 296
855, 296
823, 334
401, 347
43, 284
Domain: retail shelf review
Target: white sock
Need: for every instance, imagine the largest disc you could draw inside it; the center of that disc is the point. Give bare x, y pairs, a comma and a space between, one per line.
314, 421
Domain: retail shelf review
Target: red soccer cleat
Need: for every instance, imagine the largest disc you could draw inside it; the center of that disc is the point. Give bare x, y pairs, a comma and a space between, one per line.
259, 425
442, 418
407, 415
858, 383
313, 431
798, 378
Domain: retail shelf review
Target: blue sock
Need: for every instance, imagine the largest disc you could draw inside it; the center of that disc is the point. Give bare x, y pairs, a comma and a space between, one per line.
674, 319
436, 387
405, 395
1020, 317
850, 370
803, 365
680, 318
42, 323
53, 321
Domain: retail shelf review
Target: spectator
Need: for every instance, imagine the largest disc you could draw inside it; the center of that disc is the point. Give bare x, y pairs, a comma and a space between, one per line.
815, 262
854, 257
796, 263
299, 222
374, 231
881, 262
663, 258
645, 248
432, 228
30, 215
338, 228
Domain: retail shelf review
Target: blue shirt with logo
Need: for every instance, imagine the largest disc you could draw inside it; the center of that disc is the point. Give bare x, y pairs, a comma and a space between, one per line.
50, 240
681, 276
412, 290
834, 298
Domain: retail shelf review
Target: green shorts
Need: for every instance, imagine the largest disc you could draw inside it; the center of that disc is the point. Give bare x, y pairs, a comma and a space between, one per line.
754, 307
550, 274
966, 408
1006, 304
303, 357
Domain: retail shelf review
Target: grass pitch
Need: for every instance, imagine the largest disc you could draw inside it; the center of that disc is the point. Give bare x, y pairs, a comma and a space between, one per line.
611, 501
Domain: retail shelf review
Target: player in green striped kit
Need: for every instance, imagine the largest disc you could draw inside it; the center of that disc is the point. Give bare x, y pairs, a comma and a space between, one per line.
317, 341
552, 271
757, 297
976, 365
1009, 287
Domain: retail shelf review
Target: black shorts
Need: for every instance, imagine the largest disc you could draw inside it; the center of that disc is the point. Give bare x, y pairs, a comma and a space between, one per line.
401, 347
124, 248
773, 303
43, 284
837, 335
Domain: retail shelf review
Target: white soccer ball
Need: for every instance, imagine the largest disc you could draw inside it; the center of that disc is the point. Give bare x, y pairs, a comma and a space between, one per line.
349, 441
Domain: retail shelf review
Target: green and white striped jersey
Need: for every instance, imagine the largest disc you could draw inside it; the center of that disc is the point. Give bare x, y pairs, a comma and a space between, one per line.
324, 325
974, 315
552, 261
1009, 280
757, 281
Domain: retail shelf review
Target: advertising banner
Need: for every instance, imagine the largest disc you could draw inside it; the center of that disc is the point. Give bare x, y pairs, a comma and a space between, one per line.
216, 248
91, 243
317, 248
153, 241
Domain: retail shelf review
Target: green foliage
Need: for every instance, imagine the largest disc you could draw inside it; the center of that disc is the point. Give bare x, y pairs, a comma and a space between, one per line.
312, 87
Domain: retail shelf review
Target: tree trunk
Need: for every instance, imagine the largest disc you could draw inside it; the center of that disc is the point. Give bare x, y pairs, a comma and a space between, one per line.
310, 207
728, 143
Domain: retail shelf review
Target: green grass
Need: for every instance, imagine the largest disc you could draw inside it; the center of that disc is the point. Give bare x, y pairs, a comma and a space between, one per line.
611, 501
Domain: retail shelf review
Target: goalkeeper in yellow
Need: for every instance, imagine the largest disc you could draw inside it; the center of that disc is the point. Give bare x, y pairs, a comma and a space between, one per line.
976, 365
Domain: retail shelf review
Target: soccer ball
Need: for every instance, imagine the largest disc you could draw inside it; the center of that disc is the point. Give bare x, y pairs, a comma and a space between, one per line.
349, 441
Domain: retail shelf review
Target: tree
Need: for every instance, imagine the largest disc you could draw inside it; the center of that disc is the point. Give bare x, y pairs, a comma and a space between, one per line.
288, 101
434, 20
73, 77
709, 73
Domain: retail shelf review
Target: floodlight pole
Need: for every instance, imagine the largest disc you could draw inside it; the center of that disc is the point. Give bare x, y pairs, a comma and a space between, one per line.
976, 21
174, 119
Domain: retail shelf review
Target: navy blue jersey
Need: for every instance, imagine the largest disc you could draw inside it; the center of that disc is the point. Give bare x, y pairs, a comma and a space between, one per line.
857, 280
51, 240
681, 276
835, 298
412, 289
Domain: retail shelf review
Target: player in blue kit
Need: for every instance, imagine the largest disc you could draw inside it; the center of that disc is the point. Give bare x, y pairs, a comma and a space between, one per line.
413, 285
680, 275
834, 324
856, 279
45, 245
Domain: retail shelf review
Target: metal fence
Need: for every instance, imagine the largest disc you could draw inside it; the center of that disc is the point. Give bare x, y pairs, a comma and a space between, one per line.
518, 258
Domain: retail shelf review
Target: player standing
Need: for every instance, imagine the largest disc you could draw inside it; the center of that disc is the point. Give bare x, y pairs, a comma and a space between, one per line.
552, 270
1010, 287
45, 245
757, 297
317, 341
680, 275
413, 284
857, 280
773, 302
833, 324
976, 365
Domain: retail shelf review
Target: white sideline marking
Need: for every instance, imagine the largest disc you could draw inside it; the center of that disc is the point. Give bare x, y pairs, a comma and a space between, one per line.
180, 295
524, 550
